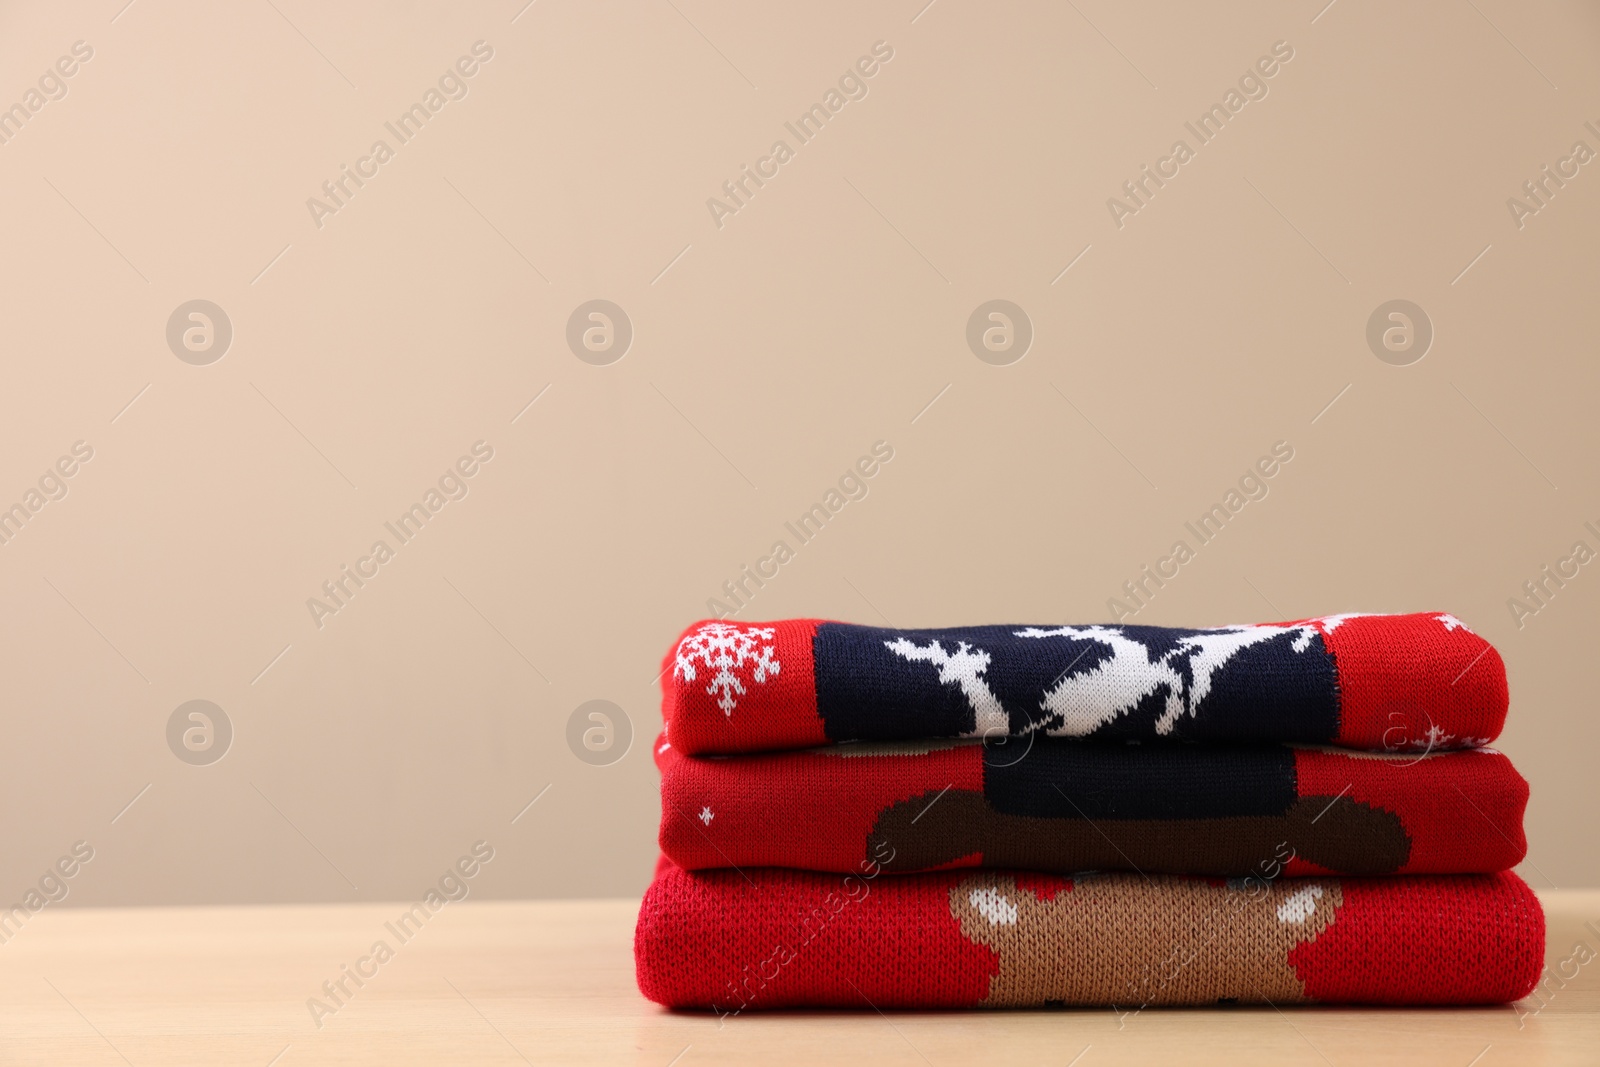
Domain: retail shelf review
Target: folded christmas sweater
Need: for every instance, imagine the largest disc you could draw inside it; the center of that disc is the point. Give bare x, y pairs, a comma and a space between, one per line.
1383, 682
731, 941
1053, 805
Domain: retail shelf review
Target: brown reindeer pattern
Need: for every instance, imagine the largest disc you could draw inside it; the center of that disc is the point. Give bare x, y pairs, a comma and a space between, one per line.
1157, 941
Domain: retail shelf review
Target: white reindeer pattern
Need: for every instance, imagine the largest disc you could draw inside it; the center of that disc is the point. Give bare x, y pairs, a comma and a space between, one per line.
965, 668
1081, 703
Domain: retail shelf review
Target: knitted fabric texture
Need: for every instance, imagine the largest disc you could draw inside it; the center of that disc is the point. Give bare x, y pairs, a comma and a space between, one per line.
1381, 682
732, 941
1065, 806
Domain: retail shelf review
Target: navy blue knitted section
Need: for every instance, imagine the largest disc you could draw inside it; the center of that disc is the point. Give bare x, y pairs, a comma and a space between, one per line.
1060, 780
1106, 682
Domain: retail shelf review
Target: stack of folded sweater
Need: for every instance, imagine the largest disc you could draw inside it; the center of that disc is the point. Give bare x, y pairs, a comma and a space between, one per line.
1100, 815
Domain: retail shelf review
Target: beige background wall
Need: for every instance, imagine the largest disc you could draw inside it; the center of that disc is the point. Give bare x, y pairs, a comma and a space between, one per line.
370, 352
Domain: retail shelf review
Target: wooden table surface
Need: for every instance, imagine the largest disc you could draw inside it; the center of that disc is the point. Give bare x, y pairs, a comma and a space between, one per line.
552, 982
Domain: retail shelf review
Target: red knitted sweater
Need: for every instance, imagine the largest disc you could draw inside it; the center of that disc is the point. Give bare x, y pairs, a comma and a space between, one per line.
1383, 682
1066, 806
765, 938
1048, 788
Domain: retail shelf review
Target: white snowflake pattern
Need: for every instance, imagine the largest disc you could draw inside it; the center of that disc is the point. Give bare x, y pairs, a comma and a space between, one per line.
1330, 623
725, 648
706, 815
1438, 739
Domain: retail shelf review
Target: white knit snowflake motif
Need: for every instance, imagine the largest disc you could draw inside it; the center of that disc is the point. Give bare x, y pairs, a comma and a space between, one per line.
725, 649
